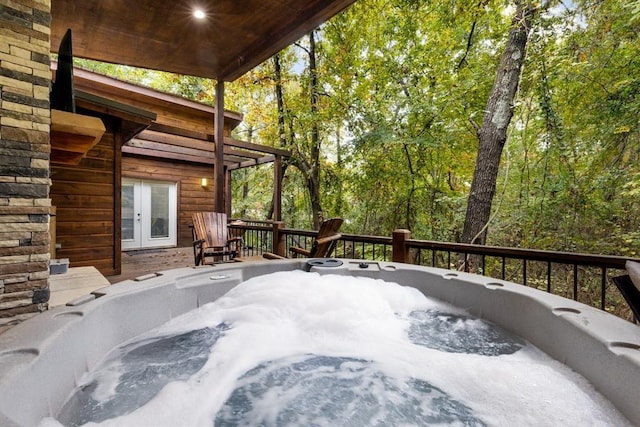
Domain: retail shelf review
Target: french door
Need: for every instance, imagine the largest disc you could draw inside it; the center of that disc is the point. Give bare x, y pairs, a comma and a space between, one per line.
148, 213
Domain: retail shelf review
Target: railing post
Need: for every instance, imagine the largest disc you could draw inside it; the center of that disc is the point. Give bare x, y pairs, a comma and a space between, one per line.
279, 239
400, 250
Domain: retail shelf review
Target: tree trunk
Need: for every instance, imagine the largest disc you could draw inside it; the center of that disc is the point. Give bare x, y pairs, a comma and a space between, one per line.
313, 174
308, 166
279, 99
493, 133
340, 165
245, 180
281, 123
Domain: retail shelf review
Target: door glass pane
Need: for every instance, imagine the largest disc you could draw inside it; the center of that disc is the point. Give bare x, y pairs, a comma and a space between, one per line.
159, 211
127, 212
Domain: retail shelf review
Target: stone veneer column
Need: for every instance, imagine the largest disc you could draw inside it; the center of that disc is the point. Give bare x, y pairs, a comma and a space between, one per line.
25, 77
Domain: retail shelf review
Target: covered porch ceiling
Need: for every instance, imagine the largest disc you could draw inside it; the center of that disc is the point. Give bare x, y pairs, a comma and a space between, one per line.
233, 37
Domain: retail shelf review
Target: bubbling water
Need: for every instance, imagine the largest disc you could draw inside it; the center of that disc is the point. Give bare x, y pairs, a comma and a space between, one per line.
142, 369
296, 348
321, 390
456, 333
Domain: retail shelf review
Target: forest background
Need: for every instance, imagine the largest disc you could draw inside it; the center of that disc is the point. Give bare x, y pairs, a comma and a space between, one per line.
381, 108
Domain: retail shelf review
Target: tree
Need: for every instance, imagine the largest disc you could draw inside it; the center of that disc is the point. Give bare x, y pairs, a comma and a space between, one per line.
493, 133
402, 98
309, 165
300, 135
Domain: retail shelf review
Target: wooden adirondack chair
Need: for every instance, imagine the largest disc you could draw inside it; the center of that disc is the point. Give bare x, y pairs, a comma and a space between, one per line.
323, 245
211, 238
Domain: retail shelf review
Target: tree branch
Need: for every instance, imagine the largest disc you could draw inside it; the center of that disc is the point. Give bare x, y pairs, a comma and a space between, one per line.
297, 44
466, 52
481, 4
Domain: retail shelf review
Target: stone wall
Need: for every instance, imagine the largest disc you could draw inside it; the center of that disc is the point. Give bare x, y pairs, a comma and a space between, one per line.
24, 156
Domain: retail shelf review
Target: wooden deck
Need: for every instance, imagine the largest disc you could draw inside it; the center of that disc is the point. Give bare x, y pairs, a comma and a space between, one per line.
146, 261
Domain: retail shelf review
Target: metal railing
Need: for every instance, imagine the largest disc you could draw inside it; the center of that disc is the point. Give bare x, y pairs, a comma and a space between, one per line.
257, 235
373, 248
581, 277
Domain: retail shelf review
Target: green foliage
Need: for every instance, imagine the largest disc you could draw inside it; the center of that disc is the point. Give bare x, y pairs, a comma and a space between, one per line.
575, 145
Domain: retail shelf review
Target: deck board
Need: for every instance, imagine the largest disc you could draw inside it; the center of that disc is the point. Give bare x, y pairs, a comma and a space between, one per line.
142, 262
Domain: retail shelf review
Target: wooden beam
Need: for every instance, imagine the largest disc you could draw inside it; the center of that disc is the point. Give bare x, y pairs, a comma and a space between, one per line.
249, 163
184, 141
255, 147
162, 128
170, 148
173, 156
117, 198
218, 172
114, 108
169, 141
277, 189
231, 160
227, 191
73, 135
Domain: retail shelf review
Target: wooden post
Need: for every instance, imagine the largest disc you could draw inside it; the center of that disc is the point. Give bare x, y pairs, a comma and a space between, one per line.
227, 192
279, 239
117, 198
218, 177
400, 249
277, 188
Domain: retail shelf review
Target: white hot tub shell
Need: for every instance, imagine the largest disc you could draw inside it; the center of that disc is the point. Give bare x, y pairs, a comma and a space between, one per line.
42, 359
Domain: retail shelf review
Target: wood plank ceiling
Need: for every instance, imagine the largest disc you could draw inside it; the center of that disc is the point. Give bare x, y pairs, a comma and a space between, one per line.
234, 37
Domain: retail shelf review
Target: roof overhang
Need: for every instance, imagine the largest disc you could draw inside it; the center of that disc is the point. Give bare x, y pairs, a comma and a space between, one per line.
165, 126
234, 37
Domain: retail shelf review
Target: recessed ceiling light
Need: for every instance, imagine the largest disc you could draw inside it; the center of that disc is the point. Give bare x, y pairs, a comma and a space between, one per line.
199, 14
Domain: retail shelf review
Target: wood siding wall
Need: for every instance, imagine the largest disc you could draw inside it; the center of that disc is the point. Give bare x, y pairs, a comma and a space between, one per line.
85, 198
192, 197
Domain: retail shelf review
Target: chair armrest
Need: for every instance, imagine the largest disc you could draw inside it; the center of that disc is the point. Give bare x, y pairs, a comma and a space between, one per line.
300, 251
269, 255
329, 238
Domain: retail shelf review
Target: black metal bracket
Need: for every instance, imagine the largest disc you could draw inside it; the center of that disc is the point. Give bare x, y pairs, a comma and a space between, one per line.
629, 292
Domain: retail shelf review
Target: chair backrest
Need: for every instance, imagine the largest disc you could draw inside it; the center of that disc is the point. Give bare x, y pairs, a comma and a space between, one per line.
212, 227
327, 237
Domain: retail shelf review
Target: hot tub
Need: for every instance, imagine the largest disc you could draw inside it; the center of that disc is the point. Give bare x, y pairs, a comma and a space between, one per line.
45, 358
